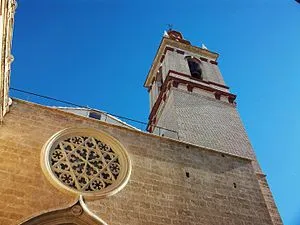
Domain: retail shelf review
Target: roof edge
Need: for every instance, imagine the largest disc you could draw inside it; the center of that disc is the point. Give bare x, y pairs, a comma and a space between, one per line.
203, 148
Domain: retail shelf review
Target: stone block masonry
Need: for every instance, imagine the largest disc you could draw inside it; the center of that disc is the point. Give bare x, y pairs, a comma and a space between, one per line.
205, 121
171, 182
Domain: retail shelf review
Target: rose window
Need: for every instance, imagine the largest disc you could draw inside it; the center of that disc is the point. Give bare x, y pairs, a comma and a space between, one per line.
87, 161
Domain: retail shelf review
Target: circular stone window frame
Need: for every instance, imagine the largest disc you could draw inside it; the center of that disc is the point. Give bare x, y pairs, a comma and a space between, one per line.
113, 143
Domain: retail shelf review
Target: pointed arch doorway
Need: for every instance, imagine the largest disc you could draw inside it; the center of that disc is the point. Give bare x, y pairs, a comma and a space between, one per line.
78, 214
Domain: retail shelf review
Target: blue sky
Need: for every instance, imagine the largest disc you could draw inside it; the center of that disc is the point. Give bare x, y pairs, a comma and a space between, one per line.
98, 53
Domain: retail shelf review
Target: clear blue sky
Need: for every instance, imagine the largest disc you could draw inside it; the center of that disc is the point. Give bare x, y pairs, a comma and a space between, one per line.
98, 53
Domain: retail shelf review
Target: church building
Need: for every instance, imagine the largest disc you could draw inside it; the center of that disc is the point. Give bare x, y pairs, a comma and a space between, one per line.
193, 165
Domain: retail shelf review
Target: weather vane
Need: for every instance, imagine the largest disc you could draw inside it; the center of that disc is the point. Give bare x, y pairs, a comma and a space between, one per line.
170, 26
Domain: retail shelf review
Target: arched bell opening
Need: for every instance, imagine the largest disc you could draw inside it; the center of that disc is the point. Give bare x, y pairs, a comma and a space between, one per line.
195, 67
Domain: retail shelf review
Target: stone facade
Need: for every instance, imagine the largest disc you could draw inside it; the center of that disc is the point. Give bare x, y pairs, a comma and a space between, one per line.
171, 182
269, 199
199, 108
202, 174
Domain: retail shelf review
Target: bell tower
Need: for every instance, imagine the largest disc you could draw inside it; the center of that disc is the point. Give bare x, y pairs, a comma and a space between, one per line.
189, 98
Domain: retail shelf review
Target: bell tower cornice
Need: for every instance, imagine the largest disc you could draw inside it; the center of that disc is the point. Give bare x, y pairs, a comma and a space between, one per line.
173, 81
180, 47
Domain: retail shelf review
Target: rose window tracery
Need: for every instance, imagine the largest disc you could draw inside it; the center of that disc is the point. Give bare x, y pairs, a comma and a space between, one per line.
85, 163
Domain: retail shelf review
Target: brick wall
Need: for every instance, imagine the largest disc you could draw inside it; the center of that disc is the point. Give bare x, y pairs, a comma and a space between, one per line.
167, 116
211, 123
220, 189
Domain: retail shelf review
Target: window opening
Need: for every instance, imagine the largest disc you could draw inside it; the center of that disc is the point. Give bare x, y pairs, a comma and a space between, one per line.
95, 115
195, 68
159, 79
86, 161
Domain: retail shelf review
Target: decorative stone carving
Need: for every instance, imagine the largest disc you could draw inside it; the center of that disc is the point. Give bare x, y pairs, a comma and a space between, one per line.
76, 210
13, 6
86, 161
7, 23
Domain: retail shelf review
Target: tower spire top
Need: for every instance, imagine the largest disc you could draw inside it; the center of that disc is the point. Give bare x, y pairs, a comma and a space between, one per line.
176, 35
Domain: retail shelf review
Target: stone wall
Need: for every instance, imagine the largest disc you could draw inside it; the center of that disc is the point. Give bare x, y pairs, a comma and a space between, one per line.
215, 124
269, 199
25, 191
171, 182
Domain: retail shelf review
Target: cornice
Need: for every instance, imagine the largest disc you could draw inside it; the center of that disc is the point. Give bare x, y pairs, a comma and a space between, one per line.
165, 44
174, 81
